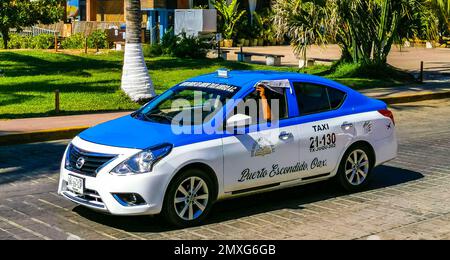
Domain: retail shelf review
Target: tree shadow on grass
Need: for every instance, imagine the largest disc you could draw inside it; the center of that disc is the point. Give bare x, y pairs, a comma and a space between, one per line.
62, 113
26, 64
49, 86
43, 88
291, 198
169, 63
14, 98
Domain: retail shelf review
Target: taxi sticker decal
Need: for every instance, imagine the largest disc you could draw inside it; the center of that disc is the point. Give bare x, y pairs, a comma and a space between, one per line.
277, 170
322, 142
262, 147
367, 127
215, 86
320, 128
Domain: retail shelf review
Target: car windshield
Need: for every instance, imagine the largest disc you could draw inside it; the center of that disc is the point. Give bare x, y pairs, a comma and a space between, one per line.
190, 103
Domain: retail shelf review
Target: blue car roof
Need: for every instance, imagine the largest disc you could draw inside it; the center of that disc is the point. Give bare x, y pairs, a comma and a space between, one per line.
247, 78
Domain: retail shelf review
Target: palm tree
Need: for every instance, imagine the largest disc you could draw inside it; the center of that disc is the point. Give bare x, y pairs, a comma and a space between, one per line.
136, 81
442, 9
364, 29
373, 26
442, 5
230, 15
305, 22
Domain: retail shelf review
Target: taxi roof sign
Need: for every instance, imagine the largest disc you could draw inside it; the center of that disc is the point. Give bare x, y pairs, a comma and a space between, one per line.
222, 73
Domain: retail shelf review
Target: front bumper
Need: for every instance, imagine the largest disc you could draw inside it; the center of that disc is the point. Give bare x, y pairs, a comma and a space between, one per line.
99, 190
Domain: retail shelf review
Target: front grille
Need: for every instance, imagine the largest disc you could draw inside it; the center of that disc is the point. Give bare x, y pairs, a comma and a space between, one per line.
92, 161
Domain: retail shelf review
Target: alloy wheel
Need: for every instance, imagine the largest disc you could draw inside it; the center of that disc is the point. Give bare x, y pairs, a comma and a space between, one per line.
357, 167
191, 198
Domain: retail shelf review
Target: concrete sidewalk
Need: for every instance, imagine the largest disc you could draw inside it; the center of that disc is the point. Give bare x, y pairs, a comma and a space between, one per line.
436, 61
61, 127
15, 126
405, 94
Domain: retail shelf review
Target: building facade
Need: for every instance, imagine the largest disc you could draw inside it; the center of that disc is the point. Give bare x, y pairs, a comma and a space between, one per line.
114, 10
158, 15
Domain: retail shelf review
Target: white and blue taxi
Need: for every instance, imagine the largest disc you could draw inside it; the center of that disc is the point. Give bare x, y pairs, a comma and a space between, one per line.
223, 135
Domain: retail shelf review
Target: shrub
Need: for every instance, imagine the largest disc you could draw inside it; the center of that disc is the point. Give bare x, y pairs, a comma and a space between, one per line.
98, 39
75, 41
43, 41
191, 47
169, 43
17, 41
370, 70
182, 46
152, 50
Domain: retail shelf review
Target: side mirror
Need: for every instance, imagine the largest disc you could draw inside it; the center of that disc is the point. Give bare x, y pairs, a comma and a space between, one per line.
239, 120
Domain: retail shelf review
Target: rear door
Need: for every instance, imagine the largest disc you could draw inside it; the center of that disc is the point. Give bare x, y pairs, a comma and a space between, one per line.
324, 134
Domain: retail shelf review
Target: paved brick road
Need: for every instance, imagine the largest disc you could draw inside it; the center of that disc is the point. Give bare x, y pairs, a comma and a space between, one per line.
409, 198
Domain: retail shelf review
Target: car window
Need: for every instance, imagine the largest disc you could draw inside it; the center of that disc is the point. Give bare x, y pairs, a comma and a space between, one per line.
336, 97
252, 105
312, 98
186, 105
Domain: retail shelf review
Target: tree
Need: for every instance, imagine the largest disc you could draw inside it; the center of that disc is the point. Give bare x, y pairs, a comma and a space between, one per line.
442, 9
371, 27
364, 29
16, 14
136, 81
230, 15
442, 6
304, 22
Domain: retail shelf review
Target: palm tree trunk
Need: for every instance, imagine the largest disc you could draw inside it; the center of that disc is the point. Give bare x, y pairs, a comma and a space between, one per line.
136, 82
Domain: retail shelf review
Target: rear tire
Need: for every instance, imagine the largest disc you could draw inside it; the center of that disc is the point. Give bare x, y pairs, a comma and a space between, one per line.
355, 168
189, 198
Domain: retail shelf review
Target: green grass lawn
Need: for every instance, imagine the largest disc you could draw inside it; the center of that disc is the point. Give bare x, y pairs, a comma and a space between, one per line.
91, 83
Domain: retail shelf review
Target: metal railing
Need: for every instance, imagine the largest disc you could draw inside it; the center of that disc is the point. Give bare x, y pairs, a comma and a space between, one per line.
34, 31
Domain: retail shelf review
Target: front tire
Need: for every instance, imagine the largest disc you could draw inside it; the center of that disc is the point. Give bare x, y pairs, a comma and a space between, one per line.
355, 168
189, 198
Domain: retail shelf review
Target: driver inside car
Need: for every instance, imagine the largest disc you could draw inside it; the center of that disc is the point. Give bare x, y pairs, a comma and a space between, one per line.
267, 112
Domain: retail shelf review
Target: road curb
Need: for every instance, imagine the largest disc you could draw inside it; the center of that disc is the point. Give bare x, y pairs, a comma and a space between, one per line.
41, 136
414, 98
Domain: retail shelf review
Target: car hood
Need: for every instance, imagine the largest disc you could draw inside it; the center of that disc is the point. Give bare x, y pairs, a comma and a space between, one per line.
129, 132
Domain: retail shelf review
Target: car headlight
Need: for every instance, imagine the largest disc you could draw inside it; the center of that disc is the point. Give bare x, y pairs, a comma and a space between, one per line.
144, 161
67, 159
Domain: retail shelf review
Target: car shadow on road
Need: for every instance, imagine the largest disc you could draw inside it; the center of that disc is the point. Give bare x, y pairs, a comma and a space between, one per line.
290, 198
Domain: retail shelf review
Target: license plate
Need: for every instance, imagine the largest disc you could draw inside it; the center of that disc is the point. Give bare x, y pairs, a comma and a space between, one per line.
75, 184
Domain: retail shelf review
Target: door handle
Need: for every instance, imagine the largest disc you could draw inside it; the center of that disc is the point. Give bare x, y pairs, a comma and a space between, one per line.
285, 136
346, 126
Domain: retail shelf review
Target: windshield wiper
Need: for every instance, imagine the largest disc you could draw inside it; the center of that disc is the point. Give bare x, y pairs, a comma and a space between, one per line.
166, 117
148, 117
142, 116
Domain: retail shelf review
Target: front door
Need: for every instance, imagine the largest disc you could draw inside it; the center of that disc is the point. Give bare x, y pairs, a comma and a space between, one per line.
263, 156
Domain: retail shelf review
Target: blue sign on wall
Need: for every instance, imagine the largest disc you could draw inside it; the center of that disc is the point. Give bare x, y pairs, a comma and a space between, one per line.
73, 9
